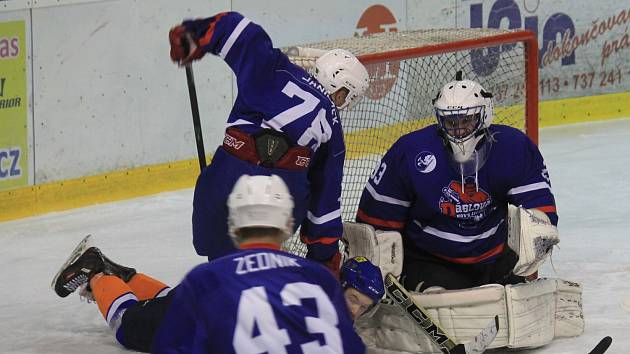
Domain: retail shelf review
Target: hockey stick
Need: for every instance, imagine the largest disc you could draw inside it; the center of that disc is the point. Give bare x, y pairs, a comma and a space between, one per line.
192, 92
437, 334
194, 106
602, 346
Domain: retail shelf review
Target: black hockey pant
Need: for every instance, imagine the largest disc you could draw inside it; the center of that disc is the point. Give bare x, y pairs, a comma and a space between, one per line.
141, 321
422, 270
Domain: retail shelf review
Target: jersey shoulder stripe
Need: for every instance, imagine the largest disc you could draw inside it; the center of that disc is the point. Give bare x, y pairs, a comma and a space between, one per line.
529, 188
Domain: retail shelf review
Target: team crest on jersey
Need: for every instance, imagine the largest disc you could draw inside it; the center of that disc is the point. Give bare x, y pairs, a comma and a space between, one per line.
467, 203
425, 162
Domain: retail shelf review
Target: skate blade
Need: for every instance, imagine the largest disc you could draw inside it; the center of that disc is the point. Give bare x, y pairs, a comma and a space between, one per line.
78, 251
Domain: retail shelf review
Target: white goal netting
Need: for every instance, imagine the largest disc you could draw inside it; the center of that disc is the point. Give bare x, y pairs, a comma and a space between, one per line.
407, 69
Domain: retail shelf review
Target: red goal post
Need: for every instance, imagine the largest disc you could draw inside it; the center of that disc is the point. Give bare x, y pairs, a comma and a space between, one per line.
407, 69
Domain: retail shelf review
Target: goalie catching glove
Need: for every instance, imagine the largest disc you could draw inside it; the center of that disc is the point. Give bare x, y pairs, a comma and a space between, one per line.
532, 236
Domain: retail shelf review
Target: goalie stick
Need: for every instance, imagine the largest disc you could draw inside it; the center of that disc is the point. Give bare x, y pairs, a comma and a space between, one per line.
437, 334
602, 346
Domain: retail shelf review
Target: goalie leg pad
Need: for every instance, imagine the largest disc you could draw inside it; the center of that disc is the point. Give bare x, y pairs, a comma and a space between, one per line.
464, 313
569, 314
389, 330
530, 315
383, 248
530, 312
461, 313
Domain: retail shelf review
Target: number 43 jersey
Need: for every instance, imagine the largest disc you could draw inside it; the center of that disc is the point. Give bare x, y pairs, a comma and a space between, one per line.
259, 300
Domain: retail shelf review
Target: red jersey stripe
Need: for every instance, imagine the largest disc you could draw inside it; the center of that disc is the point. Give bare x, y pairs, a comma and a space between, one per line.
322, 240
477, 259
547, 208
379, 222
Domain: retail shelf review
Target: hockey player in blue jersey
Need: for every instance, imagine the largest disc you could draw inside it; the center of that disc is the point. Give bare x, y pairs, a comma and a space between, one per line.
257, 299
362, 284
446, 189
284, 122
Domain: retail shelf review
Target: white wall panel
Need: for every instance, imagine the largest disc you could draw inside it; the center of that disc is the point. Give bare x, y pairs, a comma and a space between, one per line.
294, 22
432, 14
107, 95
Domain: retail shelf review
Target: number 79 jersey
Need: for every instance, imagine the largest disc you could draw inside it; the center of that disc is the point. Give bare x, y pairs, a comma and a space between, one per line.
258, 301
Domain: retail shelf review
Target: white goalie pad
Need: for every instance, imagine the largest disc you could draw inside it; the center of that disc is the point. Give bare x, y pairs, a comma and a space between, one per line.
383, 248
461, 313
569, 314
530, 315
532, 236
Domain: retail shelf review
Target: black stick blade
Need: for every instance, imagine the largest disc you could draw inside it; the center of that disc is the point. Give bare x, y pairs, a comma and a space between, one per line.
602, 346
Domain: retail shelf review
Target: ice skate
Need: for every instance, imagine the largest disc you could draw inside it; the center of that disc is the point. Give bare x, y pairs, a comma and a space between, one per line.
84, 262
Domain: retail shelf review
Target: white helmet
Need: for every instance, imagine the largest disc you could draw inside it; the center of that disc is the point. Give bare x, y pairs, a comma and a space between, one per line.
463, 110
260, 201
339, 68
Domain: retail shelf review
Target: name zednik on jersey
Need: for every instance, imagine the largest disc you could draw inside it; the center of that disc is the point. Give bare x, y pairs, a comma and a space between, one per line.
263, 261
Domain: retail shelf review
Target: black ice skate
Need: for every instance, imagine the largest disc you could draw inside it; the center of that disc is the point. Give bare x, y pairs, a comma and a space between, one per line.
84, 262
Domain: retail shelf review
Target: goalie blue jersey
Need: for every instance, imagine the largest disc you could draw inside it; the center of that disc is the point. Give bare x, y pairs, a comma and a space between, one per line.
276, 94
416, 190
259, 300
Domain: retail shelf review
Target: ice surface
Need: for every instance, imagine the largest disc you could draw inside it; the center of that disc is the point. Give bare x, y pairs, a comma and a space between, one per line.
589, 166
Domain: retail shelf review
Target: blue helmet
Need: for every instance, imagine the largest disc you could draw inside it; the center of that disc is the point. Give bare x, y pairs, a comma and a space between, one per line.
359, 273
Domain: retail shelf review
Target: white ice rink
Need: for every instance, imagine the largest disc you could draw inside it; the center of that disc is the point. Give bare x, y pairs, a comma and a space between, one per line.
589, 166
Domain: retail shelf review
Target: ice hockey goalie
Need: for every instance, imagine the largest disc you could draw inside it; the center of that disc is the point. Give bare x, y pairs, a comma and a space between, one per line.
531, 314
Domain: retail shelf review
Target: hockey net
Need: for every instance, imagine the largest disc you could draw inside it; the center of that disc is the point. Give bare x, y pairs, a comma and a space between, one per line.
407, 69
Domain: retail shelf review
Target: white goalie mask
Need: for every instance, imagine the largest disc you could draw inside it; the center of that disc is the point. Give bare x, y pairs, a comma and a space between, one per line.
260, 201
464, 111
339, 68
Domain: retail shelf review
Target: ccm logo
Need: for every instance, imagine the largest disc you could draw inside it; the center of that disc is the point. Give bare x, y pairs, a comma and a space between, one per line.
302, 161
232, 142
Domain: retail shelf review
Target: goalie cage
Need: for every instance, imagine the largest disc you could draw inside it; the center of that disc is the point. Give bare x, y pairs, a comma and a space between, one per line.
406, 70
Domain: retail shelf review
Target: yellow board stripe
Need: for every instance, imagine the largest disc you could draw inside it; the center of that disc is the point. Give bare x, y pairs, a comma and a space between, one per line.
365, 142
584, 109
80, 192
119, 185
377, 140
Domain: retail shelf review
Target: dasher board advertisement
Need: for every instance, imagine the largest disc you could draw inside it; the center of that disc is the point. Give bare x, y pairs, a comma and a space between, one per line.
13, 106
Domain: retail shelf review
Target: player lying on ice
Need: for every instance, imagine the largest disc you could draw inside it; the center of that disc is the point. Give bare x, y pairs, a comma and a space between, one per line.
474, 205
284, 122
257, 299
